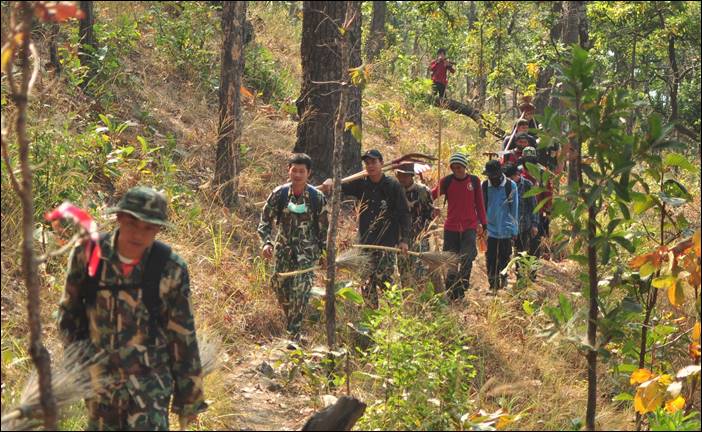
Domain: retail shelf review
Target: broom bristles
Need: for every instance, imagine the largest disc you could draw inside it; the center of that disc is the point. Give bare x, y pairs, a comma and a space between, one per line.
70, 381
210, 345
437, 260
352, 260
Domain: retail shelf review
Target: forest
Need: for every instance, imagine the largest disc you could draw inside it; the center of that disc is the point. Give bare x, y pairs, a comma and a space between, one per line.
575, 306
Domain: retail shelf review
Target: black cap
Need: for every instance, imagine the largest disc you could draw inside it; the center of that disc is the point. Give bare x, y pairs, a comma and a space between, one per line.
375, 154
492, 167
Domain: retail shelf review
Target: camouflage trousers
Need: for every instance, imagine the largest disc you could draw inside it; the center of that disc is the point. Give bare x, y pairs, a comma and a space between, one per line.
382, 270
412, 269
124, 411
293, 293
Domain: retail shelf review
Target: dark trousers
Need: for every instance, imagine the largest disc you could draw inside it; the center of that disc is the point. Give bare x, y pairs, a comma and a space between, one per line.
439, 89
498, 255
463, 244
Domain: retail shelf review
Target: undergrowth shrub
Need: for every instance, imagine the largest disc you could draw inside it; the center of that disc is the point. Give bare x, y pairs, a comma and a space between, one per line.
421, 361
266, 76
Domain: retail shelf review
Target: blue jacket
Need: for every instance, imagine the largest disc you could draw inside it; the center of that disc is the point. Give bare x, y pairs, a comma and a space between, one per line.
502, 211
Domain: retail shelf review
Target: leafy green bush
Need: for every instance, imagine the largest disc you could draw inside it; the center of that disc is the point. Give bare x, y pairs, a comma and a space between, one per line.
266, 76
423, 365
186, 33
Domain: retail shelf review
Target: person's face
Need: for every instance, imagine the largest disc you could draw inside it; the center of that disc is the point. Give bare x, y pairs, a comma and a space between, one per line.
298, 173
516, 176
528, 114
522, 143
373, 166
405, 179
523, 128
459, 171
135, 235
442, 55
495, 179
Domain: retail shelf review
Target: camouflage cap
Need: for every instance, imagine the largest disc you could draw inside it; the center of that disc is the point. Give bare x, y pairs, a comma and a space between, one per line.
144, 203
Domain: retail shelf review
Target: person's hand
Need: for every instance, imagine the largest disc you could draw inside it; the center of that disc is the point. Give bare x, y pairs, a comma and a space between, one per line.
480, 230
267, 251
326, 187
534, 231
403, 247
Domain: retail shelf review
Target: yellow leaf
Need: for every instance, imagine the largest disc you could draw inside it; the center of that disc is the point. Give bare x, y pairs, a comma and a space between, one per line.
647, 269
676, 296
696, 332
7, 53
665, 379
640, 376
675, 405
696, 242
664, 282
649, 396
503, 422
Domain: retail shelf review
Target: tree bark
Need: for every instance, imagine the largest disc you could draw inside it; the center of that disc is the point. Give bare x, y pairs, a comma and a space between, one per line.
87, 38
227, 163
543, 86
376, 40
319, 97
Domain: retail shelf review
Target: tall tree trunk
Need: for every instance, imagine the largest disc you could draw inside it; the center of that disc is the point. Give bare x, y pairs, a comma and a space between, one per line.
472, 15
319, 96
543, 81
21, 18
376, 39
351, 156
85, 31
352, 13
227, 163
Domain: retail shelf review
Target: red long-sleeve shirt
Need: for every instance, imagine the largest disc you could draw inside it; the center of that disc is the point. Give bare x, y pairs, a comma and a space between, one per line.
439, 70
465, 204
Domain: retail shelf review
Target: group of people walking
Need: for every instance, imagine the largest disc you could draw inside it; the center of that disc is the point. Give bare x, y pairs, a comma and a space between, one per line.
398, 212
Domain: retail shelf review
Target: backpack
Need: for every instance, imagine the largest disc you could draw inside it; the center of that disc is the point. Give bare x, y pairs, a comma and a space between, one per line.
155, 264
446, 181
508, 191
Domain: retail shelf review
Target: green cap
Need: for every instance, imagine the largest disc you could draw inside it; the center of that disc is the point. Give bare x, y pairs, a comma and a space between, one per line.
145, 204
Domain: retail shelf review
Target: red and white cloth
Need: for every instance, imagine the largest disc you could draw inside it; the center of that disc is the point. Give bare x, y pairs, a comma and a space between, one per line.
86, 223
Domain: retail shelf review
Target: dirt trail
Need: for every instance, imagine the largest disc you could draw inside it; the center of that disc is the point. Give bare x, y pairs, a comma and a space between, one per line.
259, 394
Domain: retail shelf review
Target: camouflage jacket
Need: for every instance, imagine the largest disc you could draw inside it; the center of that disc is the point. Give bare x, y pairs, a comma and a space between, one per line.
298, 234
421, 208
140, 362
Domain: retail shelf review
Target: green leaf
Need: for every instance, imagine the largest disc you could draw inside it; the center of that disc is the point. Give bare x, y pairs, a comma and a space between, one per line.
350, 294
642, 202
623, 397
678, 160
675, 189
663, 281
672, 201
625, 243
535, 190
580, 259
528, 307
144, 144
566, 306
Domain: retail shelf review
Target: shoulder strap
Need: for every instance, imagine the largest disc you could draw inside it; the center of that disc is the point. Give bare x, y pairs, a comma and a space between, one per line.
158, 257
485, 194
283, 193
443, 186
314, 198
508, 189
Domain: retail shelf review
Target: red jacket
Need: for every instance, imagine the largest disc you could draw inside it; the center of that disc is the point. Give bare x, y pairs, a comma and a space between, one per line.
439, 70
465, 204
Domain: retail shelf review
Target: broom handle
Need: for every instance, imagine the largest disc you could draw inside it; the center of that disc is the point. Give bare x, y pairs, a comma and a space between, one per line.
386, 248
299, 272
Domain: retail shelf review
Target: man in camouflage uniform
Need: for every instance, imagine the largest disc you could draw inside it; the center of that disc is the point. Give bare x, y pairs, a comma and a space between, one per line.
421, 207
151, 347
383, 220
299, 210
